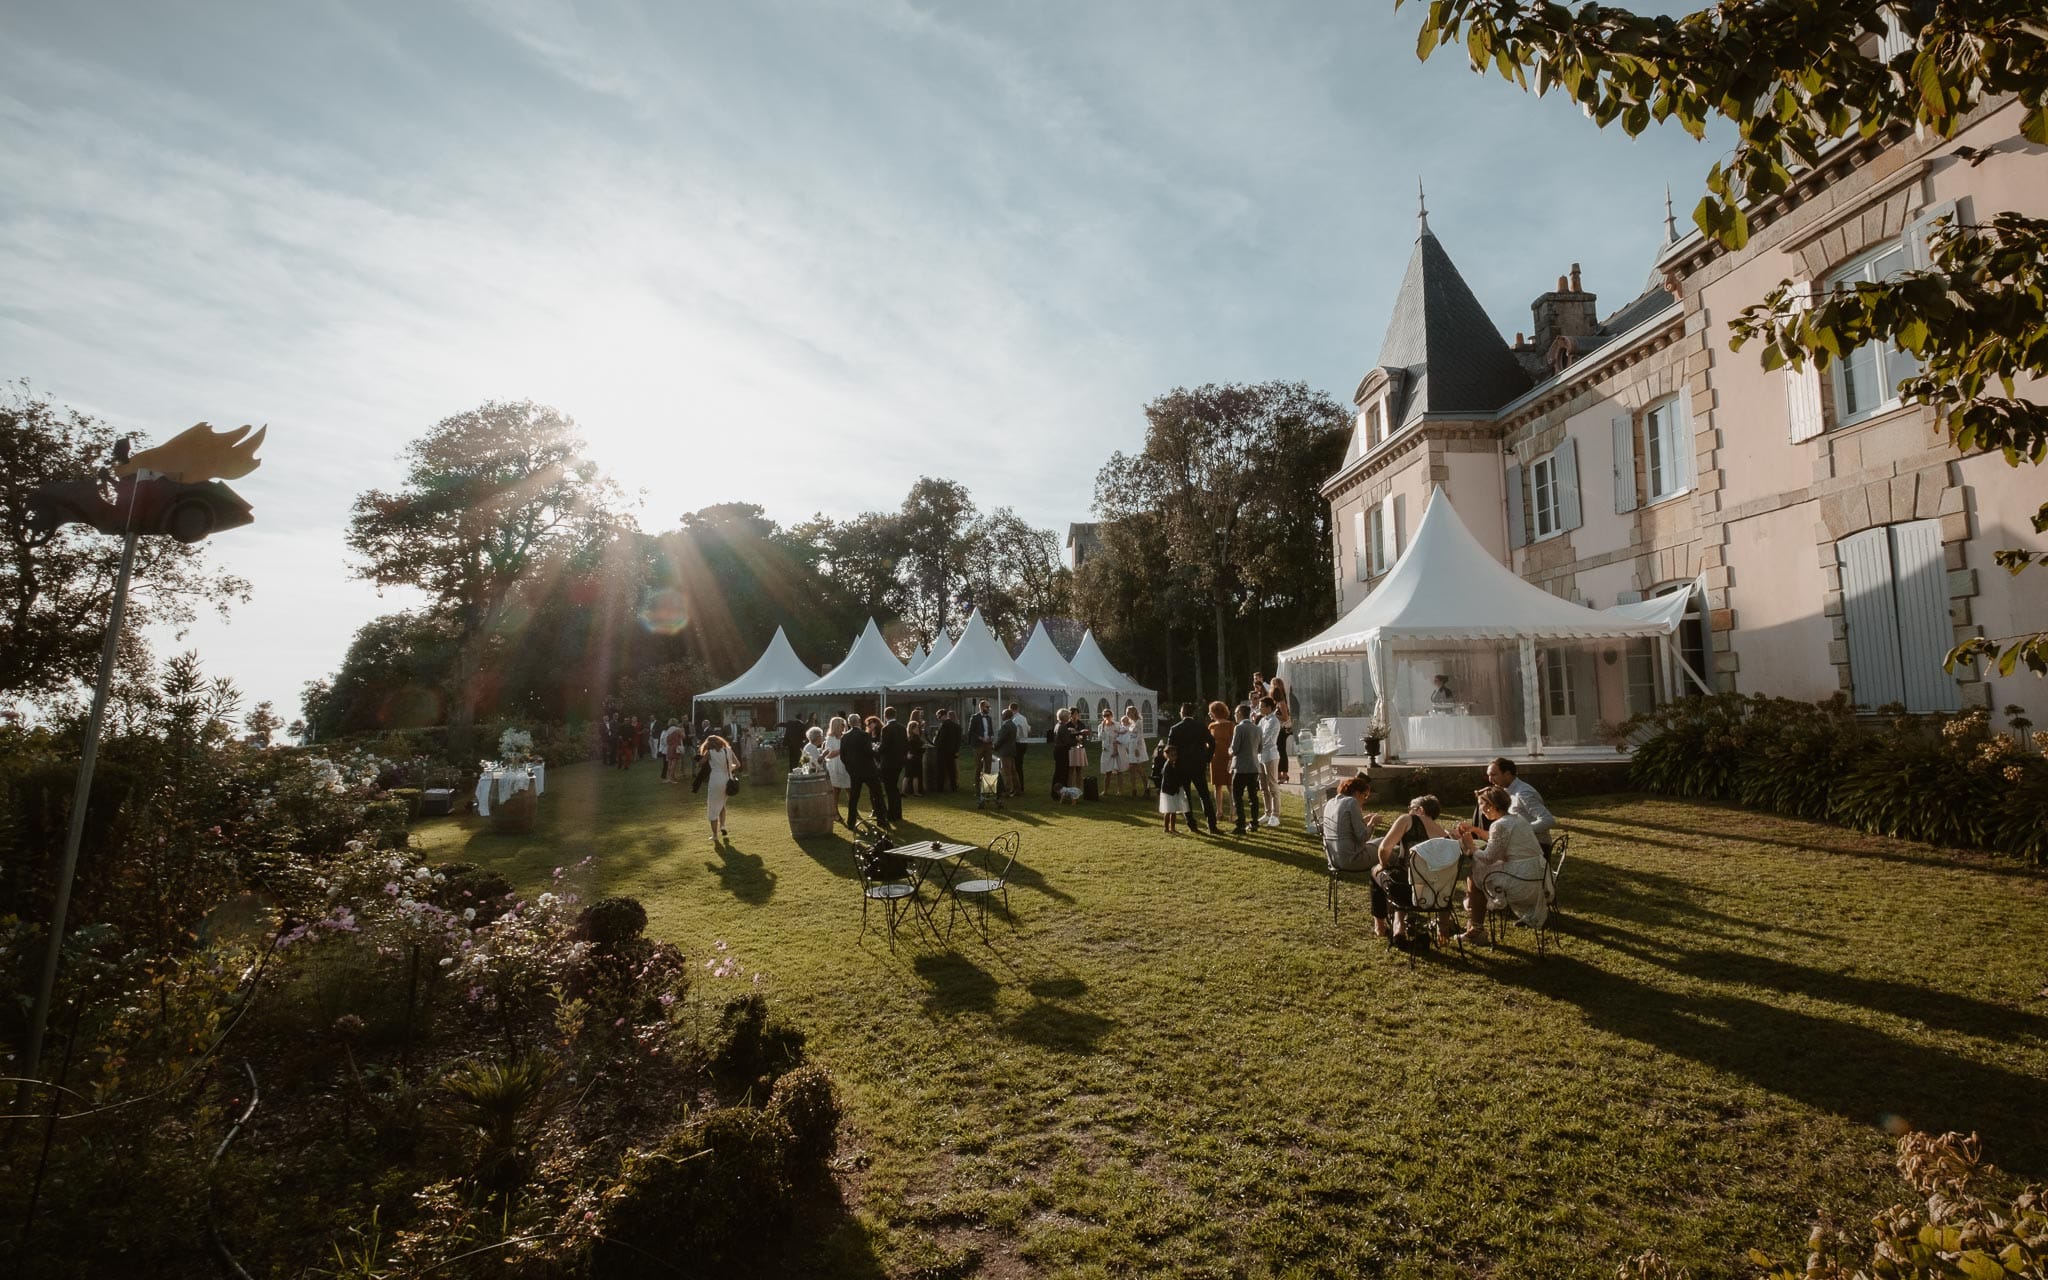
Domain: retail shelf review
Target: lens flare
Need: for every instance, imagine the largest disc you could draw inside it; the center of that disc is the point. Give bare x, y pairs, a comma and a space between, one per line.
664, 612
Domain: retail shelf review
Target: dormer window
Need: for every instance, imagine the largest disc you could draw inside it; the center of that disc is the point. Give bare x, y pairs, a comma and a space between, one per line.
1376, 423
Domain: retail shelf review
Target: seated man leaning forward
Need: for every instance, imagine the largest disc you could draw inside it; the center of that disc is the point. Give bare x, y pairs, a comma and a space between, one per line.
1347, 832
1509, 838
1523, 800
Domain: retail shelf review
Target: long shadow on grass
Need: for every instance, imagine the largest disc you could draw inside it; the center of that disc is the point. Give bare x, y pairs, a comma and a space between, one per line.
1933, 856
956, 985
1853, 1071
744, 875
1654, 900
1901, 1000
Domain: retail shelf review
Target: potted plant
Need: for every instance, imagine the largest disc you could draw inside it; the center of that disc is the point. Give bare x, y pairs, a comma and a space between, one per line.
1375, 734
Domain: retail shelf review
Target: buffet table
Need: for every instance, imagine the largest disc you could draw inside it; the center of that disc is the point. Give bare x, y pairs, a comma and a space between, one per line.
1470, 734
495, 784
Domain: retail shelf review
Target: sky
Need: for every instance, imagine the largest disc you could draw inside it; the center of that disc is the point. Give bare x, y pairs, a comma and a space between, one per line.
795, 254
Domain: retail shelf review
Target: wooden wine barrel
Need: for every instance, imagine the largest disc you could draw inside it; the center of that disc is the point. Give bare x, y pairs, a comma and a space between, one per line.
810, 804
764, 763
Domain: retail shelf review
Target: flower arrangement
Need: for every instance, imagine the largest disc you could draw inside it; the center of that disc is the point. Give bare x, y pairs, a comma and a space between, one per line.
515, 746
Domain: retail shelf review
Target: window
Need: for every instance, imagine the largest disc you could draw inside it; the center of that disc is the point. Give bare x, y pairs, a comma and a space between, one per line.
1543, 491
1558, 696
1376, 539
1867, 377
1895, 608
1666, 452
1692, 635
1375, 424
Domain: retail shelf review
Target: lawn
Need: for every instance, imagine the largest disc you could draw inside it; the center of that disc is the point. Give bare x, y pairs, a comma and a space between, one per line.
1170, 1059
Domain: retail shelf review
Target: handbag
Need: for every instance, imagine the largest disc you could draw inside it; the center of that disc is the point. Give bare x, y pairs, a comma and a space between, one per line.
732, 786
1078, 757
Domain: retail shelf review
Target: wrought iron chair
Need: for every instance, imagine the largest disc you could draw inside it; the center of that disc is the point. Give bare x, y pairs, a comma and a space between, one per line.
881, 879
1498, 924
1433, 867
994, 882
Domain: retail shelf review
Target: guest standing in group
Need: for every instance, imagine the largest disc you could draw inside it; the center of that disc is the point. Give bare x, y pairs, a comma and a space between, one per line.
1173, 795
812, 754
892, 750
1269, 758
947, 755
1023, 731
627, 738
672, 752
1193, 745
606, 732
835, 761
913, 754
1278, 687
793, 739
1244, 769
1110, 759
981, 735
1063, 740
1135, 754
857, 749
653, 736
1005, 752
1220, 728
723, 765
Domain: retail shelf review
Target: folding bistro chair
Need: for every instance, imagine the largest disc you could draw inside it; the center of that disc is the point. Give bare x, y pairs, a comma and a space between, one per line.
1527, 894
988, 790
1433, 886
1338, 877
993, 881
882, 880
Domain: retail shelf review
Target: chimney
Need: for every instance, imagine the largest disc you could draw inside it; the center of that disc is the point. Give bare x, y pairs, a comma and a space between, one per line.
1566, 312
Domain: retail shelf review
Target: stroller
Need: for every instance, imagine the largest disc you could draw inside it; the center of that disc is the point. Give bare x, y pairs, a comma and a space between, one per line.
988, 791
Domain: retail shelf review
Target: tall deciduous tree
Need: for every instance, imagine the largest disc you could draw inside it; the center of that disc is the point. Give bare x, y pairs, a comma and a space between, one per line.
55, 588
1229, 472
488, 495
1014, 575
935, 524
1794, 76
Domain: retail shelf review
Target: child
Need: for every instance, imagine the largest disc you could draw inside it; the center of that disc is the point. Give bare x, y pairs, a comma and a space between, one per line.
1173, 800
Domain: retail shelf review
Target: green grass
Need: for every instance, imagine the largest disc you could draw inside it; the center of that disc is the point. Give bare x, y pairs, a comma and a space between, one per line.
1171, 1061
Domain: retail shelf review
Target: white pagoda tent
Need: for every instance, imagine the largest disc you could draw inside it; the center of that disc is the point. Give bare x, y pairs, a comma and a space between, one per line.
1093, 665
1042, 658
1457, 657
869, 669
976, 662
778, 673
918, 657
940, 648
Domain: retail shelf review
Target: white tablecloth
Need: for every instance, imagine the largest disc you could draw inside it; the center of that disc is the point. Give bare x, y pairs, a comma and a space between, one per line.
1451, 733
496, 784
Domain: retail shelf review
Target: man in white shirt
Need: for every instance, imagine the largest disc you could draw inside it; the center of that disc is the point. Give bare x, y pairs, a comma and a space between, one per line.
1523, 799
1023, 728
1269, 759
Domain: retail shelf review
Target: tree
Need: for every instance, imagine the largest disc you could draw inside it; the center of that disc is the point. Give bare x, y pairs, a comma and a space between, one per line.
1792, 77
395, 675
1223, 469
488, 495
262, 722
1015, 576
55, 588
935, 527
861, 557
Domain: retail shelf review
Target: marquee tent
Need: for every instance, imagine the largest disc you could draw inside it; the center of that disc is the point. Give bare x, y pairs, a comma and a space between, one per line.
918, 657
976, 661
1042, 658
777, 674
1457, 656
1094, 665
940, 648
869, 669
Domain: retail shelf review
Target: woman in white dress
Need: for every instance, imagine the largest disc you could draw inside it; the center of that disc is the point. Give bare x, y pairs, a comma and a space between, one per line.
835, 768
723, 764
1133, 753
1110, 759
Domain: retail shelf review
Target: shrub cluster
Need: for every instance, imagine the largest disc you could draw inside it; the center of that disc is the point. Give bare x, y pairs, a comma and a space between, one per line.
1951, 780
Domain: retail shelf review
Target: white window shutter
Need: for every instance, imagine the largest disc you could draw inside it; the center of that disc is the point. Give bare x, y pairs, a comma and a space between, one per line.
1871, 614
1517, 534
1624, 464
1682, 431
1567, 469
1397, 509
1920, 579
1358, 563
1802, 385
1921, 227
1895, 40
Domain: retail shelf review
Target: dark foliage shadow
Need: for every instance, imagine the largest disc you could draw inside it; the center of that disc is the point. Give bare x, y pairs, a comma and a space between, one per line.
1059, 1027
954, 984
1858, 1073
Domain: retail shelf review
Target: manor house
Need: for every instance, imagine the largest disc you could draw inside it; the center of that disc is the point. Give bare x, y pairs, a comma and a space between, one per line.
1843, 544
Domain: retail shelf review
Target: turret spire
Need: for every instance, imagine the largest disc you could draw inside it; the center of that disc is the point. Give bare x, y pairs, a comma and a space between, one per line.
1670, 218
1421, 210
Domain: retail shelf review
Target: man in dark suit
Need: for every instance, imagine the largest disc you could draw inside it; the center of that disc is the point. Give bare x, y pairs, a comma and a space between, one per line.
894, 752
981, 735
1065, 737
1192, 740
793, 740
857, 750
1005, 755
948, 752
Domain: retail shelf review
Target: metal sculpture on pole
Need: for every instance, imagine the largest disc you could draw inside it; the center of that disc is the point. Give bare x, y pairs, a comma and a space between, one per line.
173, 491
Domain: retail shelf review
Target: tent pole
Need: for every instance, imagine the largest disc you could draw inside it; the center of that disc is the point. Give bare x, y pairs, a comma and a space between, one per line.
1532, 701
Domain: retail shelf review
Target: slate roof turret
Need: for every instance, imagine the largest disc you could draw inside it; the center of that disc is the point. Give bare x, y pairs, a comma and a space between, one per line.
1456, 360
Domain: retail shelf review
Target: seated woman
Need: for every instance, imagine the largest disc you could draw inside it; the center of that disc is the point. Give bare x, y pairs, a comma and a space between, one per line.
1347, 832
1390, 880
1509, 839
